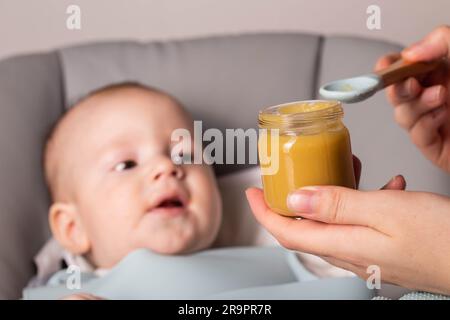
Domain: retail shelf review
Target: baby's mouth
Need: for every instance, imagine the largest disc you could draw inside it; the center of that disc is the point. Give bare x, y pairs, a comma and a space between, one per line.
172, 205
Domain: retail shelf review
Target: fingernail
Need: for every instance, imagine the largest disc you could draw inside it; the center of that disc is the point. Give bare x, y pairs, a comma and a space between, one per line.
401, 178
389, 182
247, 192
396, 179
302, 200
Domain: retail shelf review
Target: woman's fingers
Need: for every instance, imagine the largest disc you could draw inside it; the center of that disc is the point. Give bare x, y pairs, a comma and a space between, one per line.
425, 132
396, 183
433, 46
312, 236
408, 113
387, 60
404, 91
329, 207
339, 205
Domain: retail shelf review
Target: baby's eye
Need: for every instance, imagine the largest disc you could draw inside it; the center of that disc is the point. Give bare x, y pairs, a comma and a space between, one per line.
183, 157
125, 165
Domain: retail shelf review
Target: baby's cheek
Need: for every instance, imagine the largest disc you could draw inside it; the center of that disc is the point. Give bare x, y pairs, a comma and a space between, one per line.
109, 215
201, 184
119, 200
205, 195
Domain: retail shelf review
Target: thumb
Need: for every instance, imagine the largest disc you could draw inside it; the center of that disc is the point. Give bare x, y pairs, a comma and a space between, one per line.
339, 205
433, 46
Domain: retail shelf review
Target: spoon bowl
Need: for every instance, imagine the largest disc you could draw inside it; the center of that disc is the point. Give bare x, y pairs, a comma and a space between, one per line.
351, 90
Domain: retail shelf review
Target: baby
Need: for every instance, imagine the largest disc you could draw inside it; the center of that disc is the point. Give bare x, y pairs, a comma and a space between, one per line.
114, 185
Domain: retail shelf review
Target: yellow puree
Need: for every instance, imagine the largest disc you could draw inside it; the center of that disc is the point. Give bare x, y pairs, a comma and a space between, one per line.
320, 158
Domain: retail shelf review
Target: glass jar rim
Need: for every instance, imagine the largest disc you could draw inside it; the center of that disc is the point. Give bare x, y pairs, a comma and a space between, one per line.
271, 117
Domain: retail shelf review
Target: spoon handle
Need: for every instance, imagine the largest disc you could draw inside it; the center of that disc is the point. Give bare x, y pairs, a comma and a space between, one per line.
402, 69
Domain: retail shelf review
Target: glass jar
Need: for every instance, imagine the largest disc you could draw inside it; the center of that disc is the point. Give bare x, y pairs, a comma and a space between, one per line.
303, 143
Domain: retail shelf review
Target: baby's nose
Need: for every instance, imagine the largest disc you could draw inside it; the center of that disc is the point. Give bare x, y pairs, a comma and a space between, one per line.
165, 169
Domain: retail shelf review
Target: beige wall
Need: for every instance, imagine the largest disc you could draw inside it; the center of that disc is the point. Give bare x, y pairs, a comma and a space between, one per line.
40, 24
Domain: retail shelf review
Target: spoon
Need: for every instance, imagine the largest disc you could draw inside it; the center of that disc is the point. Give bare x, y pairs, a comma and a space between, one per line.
357, 89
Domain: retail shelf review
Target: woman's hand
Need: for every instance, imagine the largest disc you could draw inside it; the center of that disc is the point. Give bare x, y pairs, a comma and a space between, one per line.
405, 233
421, 104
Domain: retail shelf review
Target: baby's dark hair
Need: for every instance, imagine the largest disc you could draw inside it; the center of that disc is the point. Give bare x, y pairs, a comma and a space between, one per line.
105, 89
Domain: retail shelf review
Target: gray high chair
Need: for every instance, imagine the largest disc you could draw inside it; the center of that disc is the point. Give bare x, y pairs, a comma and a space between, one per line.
222, 80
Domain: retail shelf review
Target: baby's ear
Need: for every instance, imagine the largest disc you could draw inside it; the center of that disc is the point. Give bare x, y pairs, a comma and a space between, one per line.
68, 229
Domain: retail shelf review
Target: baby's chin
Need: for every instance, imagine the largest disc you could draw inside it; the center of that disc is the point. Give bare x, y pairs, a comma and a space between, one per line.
177, 244
178, 236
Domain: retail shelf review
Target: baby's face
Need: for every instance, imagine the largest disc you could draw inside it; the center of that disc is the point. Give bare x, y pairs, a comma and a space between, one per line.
126, 190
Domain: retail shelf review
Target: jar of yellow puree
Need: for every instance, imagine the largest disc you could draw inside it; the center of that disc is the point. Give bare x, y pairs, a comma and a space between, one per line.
301, 144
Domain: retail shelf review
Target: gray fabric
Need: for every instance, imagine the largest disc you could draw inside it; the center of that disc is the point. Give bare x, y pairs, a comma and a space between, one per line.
223, 81
30, 101
418, 295
247, 273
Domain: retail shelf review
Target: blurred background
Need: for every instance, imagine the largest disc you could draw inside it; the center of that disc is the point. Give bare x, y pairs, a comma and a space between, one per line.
28, 26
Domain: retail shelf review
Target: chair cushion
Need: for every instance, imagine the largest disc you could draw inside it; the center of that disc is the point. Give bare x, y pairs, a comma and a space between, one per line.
31, 101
